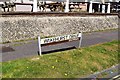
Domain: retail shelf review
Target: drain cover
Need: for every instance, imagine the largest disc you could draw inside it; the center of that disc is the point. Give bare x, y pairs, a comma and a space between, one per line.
6, 49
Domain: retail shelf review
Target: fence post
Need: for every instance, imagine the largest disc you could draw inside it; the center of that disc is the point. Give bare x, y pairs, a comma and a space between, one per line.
34, 5
90, 7
108, 8
39, 46
67, 6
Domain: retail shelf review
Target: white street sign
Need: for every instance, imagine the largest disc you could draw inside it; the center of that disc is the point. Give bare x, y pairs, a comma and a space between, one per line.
70, 37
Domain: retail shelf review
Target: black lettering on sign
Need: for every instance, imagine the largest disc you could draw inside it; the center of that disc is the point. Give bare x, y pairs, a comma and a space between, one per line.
54, 39
66, 37
46, 40
62, 38
50, 40
57, 39
73, 36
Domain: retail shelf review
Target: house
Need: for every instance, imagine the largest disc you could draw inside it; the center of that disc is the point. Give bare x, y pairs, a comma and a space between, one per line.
27, 5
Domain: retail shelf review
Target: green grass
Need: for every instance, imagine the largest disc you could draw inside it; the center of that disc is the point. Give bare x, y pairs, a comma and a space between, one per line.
74, 63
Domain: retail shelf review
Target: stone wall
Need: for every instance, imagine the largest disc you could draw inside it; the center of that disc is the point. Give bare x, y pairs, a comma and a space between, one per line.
20, 28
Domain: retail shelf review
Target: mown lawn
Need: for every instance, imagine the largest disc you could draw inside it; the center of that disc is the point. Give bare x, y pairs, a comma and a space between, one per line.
74, 63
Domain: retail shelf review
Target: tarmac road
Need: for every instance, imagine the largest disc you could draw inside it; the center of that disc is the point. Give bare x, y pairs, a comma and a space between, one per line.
12, 52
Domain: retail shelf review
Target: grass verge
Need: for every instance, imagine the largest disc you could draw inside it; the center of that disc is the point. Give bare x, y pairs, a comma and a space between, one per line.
74, 63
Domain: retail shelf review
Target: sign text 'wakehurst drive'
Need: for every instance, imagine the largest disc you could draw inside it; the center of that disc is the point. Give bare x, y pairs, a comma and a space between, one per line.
70, 37
60, 38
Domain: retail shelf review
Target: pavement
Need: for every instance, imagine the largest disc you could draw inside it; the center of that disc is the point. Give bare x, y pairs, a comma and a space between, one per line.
12, 51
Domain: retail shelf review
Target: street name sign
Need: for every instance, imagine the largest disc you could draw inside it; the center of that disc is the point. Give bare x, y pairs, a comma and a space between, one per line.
59, 39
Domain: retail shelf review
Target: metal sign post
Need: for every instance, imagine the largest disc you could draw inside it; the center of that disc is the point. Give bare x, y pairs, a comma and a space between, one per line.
80, 38
39, 46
